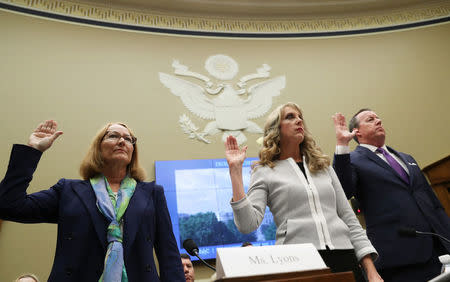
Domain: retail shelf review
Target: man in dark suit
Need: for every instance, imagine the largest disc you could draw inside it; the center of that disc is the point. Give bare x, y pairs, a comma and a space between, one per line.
393, 194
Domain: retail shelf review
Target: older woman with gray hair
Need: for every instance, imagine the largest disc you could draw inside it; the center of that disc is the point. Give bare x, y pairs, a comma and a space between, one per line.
294, 179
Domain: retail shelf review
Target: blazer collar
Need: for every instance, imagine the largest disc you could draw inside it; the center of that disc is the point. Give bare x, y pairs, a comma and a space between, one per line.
133, 215
87, 196
407, 164
373, 157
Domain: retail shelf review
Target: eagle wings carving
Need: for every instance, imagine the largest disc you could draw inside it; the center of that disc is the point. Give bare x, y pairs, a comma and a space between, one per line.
228, 108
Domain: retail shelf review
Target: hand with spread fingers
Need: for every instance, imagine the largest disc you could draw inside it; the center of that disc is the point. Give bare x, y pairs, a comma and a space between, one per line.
343, 135
43, 136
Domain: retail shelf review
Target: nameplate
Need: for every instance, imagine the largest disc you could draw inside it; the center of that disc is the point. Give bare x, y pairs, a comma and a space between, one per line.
259, 260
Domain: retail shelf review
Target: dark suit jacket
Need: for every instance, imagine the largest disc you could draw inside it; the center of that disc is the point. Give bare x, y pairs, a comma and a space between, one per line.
389, 203
81, 239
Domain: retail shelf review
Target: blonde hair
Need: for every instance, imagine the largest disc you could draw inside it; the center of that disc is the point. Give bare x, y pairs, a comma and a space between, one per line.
92, 163
271, 150
28, 275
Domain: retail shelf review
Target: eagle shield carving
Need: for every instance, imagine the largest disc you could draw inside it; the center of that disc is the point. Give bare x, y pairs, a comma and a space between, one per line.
228, 107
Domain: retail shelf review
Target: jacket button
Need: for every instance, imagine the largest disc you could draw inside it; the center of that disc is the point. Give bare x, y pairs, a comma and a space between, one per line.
69, 236
148, 268
68, 271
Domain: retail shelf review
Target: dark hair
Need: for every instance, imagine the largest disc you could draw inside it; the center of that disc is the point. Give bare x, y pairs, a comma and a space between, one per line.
185, 256
354, 122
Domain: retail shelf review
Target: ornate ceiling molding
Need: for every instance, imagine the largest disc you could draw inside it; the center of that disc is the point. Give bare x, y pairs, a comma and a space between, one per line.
331, 25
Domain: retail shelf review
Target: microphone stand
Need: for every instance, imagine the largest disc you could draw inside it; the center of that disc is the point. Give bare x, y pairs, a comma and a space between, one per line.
435, 234
204, 262
192, 249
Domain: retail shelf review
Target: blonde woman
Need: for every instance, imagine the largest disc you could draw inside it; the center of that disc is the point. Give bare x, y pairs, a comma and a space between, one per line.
294, 179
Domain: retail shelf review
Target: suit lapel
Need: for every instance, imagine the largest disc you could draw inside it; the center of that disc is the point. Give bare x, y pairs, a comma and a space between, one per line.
373, 157
133, 215
408, 166
87, 196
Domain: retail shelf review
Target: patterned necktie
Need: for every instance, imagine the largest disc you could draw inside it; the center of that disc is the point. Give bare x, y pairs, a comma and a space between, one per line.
394, 164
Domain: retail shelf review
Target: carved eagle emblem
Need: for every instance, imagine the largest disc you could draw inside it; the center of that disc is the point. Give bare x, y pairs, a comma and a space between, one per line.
228, 107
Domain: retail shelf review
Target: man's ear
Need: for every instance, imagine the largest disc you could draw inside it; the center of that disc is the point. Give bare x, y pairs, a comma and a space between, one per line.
357, 134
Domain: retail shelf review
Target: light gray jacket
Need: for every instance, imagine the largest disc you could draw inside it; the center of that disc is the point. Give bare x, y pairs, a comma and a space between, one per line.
313, 210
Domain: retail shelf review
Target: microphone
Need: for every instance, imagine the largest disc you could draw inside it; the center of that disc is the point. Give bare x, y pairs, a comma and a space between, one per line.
192, 249
411, 232
407, 232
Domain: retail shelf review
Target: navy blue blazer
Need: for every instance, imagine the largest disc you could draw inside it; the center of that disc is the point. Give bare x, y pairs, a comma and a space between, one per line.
389, 203
81, 240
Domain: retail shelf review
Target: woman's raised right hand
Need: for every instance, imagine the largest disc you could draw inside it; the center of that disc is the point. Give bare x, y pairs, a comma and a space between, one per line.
235, 156
43, 136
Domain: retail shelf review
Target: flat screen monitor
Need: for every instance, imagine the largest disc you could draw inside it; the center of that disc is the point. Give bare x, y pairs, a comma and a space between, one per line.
198, 194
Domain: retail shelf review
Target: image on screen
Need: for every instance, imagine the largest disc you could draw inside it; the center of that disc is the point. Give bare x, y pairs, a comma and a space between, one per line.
198, 194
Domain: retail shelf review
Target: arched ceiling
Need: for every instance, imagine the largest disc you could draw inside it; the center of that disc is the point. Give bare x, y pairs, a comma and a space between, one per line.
243, 18
265, 9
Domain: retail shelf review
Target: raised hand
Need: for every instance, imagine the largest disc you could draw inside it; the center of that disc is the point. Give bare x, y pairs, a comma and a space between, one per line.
343, 135
235, 156
43, 136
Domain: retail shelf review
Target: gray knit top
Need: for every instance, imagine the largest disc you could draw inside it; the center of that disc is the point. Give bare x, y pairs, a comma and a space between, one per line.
306, 210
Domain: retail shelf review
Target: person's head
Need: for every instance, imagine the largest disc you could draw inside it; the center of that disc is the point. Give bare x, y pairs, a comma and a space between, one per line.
27, 278
369, 129
286, 124
246, 244
113, 145
291, 126
188, 268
